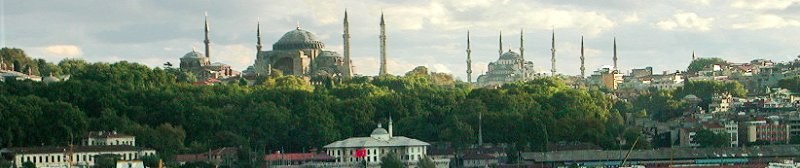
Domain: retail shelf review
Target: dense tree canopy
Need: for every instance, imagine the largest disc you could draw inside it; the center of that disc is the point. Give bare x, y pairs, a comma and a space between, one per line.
166, 112
700, 63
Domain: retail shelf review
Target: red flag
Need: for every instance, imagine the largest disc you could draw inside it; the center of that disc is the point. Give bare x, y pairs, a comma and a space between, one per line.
361, 153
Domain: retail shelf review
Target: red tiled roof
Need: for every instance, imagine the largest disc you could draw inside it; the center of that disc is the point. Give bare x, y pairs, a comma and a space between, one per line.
297, 157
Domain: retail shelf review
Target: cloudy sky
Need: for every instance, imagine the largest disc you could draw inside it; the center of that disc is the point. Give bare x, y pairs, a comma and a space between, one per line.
661, 34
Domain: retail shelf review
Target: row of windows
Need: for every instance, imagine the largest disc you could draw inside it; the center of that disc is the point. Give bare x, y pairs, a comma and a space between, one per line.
78, 157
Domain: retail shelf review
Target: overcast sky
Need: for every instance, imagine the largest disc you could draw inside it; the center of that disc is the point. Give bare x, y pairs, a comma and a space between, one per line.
661, 34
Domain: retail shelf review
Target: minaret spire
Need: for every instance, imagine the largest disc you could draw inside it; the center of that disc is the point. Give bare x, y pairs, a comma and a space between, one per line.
346, 37
500, 51
258, 36
480, 128
693, 57
553, 52
383, 47
583, 68
206, 41
469, 60
615, 53
521, 46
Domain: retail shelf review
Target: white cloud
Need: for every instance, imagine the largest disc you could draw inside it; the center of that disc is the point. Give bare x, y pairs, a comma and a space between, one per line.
686, 21
700, 2
633, 18
238, 56
763, 4
324, 11
766, 22
63, 50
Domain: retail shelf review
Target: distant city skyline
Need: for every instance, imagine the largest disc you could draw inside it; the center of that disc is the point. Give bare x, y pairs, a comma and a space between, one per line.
419, 33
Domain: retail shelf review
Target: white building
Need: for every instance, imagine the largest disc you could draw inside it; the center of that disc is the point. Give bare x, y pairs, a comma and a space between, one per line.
95, 144
79, 156
380, 143
108, 138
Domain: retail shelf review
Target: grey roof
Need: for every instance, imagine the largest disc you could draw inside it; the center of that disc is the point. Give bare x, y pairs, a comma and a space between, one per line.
329, 54
664, 154
298, 39
358, 142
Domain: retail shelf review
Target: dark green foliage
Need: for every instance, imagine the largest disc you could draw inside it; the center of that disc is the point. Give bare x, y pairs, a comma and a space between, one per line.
391, 160
285, 113
791, 83
426, 162
708, 139
106, 161
28, 165
699, 63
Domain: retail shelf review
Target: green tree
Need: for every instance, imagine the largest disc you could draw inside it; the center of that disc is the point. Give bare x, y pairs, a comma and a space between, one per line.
391, 161
791, 83
699, 63
708, 139
106, 161
426, 162
29, 164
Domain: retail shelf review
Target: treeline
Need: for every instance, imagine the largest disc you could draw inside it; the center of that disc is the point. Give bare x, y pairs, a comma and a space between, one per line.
285, 113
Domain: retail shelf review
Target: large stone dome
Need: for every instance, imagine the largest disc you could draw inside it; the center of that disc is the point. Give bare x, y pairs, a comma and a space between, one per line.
510, 55
298, 39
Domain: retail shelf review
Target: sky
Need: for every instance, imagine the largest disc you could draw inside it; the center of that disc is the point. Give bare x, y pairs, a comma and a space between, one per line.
432, 33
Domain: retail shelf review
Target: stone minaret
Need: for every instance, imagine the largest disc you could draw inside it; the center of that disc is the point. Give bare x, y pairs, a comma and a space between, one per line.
348, 72
693, 57
258, 37
469, 60
521, 46
383, 47
391, 130
553, 52
583, 59
480, 128
615, 53
206, 41
500, 51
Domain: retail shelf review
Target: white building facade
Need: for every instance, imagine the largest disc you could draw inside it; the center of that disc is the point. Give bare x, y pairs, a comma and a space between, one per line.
379, 144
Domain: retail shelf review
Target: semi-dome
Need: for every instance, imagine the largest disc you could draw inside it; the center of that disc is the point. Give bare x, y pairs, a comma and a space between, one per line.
329, 54
298, 39
510, 55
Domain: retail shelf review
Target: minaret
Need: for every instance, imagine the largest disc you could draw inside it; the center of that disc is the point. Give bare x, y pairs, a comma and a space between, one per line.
469, 60
391, 132
500, 51
583, 68
258, 37
615, 53
553, 52
693, 57
383, 47
480, 128
521, 46
206, 41
346, 37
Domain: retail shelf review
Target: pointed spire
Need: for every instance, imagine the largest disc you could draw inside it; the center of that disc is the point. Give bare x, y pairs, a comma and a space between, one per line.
583, 59
615, 53
693, 57
521, 45
383, 70
207, 41
258, 36
391, 131
500, 51
382, 22
348, 70
469, 60
553, 52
